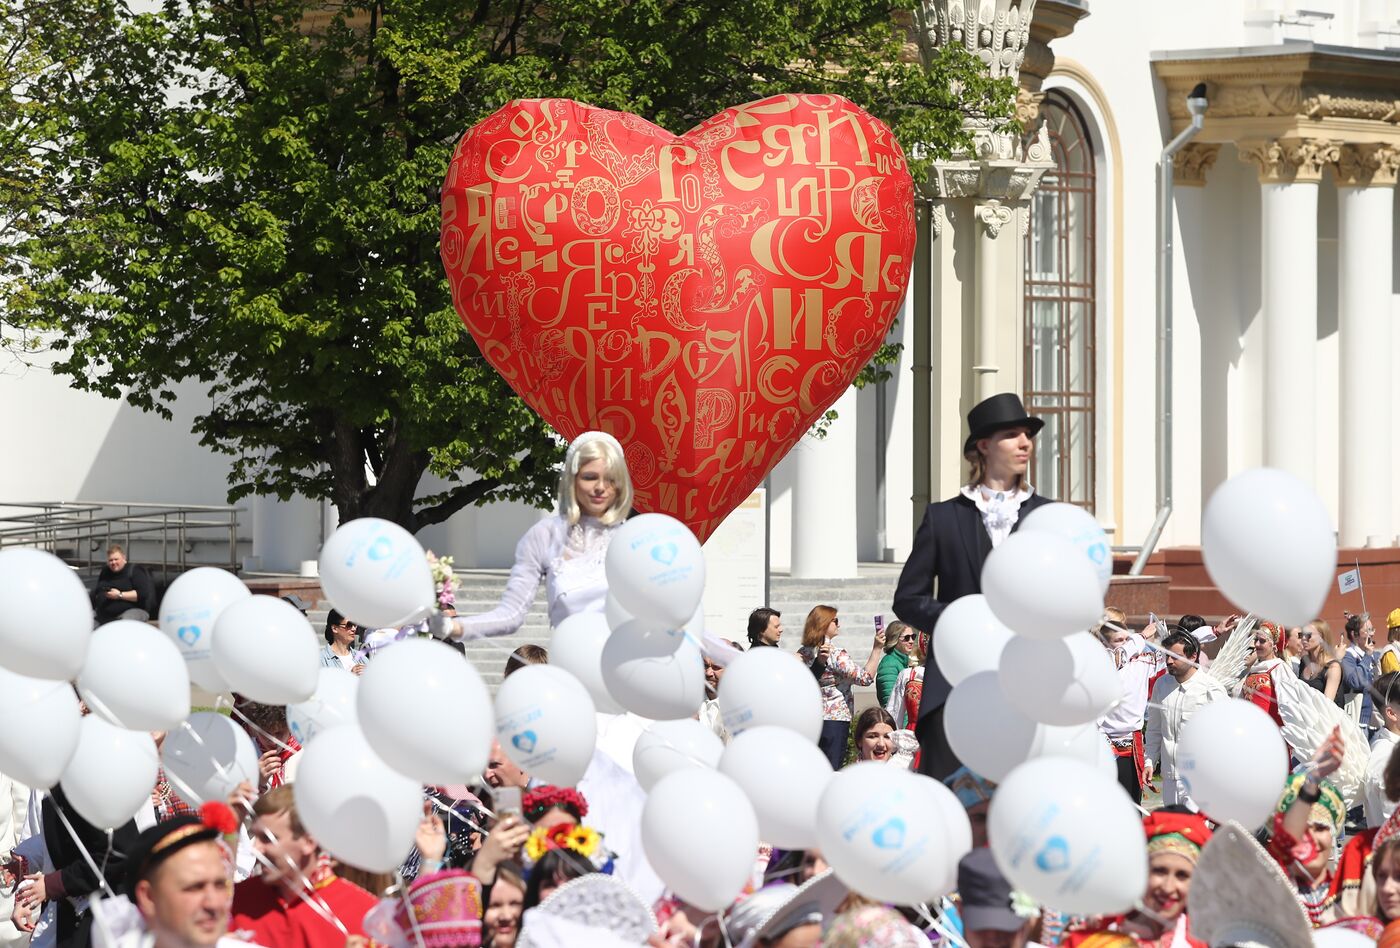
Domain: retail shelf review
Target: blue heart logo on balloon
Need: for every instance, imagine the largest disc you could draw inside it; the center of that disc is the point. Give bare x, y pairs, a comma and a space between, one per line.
380, 549
1097, 552
525, 741
890, 835
189, 634
1054, 855
665, 553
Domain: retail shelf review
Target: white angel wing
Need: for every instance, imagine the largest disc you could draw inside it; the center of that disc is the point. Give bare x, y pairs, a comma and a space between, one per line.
1308, 717
1235, 656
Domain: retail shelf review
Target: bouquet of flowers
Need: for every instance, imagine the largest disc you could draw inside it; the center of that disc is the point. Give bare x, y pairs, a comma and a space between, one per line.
444, 580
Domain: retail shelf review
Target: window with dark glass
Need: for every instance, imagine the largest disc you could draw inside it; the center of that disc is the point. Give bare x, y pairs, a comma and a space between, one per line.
1060, 296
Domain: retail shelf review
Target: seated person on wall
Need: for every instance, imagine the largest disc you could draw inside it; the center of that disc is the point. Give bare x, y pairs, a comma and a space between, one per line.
124, 590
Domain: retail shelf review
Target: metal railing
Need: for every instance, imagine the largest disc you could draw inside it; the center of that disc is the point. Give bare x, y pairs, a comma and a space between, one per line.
80, 531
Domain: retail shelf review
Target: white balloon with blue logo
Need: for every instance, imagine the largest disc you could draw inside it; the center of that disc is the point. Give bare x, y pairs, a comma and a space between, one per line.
885, 833
656, 569
546, 724
188, 611
333, 705
1079, 527
376, 574
1064, 832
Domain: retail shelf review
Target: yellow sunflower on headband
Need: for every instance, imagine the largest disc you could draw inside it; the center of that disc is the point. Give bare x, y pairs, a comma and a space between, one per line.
580, 839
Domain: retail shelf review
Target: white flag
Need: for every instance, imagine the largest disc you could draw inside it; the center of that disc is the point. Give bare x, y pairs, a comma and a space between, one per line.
1350, 581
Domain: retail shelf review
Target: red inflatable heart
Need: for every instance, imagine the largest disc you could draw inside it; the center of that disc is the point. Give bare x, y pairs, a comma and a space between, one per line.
702, 297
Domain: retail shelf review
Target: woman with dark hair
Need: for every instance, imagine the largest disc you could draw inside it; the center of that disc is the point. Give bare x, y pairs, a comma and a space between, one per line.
340, 639
837, 673
874, 728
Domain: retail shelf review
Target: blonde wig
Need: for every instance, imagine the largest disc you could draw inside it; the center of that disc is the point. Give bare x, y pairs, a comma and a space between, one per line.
595, 446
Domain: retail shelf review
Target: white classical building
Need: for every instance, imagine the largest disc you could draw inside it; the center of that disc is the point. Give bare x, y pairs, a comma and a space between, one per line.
1036, 274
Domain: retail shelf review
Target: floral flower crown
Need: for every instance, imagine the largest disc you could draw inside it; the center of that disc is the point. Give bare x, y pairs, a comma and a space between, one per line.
584, 841
536, 803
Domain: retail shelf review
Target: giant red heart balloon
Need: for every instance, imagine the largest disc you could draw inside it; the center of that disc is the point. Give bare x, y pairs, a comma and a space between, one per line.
703, 297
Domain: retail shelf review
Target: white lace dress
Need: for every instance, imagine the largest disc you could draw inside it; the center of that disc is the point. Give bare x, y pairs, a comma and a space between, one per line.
570, 561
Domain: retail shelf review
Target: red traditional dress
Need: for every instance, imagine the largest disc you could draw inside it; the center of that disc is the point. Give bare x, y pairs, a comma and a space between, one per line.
1259, 686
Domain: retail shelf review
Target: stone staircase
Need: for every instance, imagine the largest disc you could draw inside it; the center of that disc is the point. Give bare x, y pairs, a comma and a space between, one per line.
857, 600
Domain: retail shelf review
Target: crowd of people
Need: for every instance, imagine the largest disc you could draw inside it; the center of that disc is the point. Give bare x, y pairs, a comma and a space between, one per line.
512, 859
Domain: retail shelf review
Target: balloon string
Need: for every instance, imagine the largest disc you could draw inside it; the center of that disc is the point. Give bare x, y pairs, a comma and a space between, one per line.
244, 718
947, 932
409, 910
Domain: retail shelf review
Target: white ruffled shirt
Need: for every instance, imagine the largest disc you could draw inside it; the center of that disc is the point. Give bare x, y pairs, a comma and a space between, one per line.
570, 561
1000, 509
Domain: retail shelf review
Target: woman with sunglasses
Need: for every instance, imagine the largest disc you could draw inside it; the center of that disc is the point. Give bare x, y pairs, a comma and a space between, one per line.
837, 673
1321, 668
901, 651
340, 639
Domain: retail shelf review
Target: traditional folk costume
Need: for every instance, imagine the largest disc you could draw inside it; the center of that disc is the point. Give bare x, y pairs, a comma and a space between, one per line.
1346, 890
1122, 725
1260, 684
1182, 834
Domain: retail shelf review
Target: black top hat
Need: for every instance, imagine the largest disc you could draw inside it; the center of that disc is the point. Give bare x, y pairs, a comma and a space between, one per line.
997, 414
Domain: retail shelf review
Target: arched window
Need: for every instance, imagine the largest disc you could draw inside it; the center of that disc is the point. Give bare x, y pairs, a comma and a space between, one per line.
1059, 314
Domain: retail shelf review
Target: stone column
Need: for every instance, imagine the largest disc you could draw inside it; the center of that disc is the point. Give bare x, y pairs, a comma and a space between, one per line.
1289, 172
1365, 204
823, 514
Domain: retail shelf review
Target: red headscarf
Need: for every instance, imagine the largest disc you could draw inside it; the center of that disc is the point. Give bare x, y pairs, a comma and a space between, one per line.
1181, 833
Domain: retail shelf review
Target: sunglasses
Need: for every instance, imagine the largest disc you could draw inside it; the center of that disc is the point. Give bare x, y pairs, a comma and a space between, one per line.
907, 638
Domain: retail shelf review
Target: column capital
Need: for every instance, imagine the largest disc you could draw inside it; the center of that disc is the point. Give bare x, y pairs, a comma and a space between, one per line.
1289, 160
1189, 166
1367, 165
993, 216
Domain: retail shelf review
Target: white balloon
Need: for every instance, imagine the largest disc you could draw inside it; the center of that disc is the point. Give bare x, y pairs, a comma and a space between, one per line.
1232, 761
770, 686
1067, 835
1079, 527
333, 705
882, 829
422, 680
377, 574
1062, 681
265, 649
576, 646
968, 639
985, 730
1082, 742
135, 678
211, 762
111, 774
957, 829
783, 778
36, 753
45, 615
615, 615
188, 611
1269, 544
354, 804
654, 672
700, 834
668, 746
546, 723
1039, 585
656, 569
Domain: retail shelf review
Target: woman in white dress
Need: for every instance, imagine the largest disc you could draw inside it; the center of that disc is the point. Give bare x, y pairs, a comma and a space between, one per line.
566, 550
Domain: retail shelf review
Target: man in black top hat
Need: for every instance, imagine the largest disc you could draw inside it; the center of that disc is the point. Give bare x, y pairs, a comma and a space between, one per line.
954, 541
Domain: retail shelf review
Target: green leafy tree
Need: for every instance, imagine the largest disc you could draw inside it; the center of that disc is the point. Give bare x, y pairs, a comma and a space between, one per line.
250, 195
